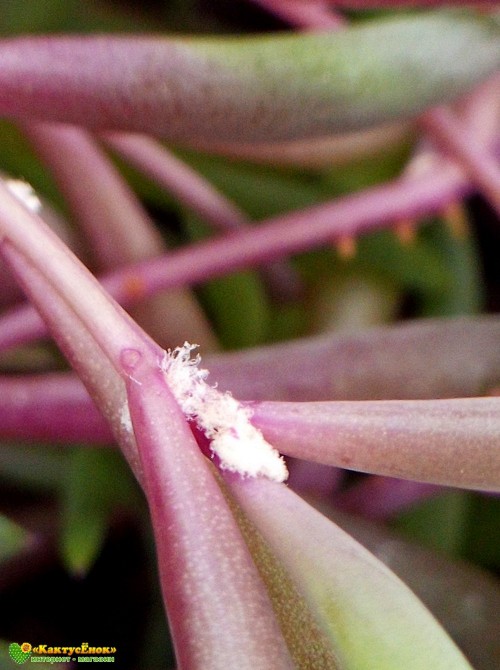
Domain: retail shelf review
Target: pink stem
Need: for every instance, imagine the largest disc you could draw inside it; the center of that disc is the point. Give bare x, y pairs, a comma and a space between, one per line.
455, 138
306, 14
350, 216
178, 178
316, 153
295, 232
313, 479
198, 195
116, 226
462, 359
50, 408
395, 4
82, 343
31, 243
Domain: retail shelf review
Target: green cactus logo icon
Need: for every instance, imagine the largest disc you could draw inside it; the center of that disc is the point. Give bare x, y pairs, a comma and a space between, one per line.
20, 652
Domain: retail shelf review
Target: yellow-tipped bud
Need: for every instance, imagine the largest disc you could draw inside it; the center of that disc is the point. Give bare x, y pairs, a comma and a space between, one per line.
456, 219
346, 247
406, 231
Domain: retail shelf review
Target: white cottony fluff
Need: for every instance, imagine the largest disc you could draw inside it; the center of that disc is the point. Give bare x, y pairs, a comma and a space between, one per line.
25, 193
239, 446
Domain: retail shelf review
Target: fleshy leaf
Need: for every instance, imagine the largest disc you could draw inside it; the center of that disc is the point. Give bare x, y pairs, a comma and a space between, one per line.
450, 442
28, 410
309, 646
375, 622
462, 358
250, 89
463, 598
68, 297
219, 610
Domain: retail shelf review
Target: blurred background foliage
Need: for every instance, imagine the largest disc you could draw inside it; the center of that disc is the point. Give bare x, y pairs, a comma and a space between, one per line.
95, 577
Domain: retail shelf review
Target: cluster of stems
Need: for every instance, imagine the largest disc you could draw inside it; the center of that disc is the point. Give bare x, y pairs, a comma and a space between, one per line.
251, 575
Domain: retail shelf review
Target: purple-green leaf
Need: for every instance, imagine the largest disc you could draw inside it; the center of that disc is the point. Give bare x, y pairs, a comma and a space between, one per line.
220, 613
268, 88
462, 358
450, 442
374, 621
464, 598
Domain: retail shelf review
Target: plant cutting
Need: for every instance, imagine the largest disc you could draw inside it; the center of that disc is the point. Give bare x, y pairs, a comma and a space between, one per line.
252, 574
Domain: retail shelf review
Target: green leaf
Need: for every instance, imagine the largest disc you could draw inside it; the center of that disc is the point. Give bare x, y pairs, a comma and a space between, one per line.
237, 304
252, 89
38, 468
96, 482
482, 542
13, 538
46, 16
239, 310
373, 620
260, 191
309, 646
459, 258
19, 161
290, 86
438, 523
464, 599
417, 266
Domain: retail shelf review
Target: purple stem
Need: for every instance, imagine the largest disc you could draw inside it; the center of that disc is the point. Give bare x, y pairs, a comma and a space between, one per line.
178, 178
480, 109
87, 357
90, 328
221, 615
395, 4
455, 138
116, 226
294, 232
52, 407
440, 122
313, 479
316, 153
350, 216
462, 358
198, 195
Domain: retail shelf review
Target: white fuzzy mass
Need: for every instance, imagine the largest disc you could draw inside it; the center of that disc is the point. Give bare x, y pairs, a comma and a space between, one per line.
239, 446
25, 194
